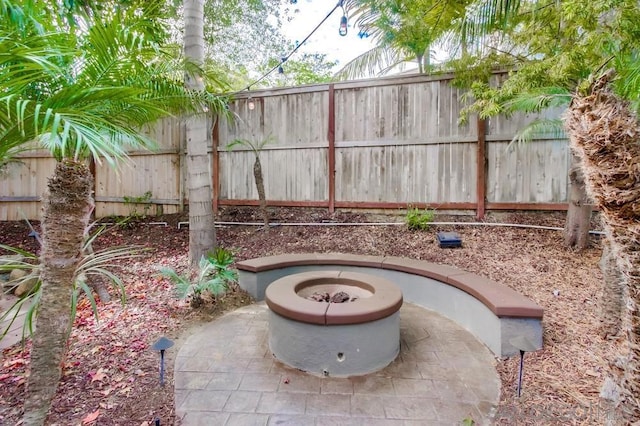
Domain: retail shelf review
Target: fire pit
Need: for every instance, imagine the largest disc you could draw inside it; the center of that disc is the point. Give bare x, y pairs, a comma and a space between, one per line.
334, 323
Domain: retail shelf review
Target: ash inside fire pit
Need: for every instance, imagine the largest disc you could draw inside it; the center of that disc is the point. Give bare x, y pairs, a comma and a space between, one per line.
334, 293
339, 297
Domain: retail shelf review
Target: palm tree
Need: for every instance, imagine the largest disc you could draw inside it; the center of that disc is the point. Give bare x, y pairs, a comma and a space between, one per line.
81, 93
202, 234
404, 30
570, 43
604, 133
256, 147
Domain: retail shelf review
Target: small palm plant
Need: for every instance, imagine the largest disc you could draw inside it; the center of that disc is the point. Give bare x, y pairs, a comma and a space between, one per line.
213, 278
256, 148
99, 264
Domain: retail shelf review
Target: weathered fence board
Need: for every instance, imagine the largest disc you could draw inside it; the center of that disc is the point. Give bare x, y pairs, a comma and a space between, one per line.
407, 174
152, 177
291, 174
23, 184
528, 173
288, 120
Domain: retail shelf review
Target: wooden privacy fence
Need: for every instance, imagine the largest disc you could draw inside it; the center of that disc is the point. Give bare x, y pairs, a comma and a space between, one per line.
383, 143
149, 182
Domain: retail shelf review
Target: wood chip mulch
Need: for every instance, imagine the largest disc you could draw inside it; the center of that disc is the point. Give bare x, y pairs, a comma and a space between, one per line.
111, 374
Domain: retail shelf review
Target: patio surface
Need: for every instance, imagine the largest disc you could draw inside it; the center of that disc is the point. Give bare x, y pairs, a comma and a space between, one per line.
225, 375
14, 334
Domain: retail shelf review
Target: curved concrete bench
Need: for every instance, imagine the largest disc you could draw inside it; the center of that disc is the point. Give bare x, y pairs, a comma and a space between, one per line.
493, 312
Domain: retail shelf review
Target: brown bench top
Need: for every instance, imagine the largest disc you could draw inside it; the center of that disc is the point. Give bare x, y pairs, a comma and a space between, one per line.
500, 299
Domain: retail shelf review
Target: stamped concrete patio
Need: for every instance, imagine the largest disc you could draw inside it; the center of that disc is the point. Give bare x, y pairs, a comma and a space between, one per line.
226, 375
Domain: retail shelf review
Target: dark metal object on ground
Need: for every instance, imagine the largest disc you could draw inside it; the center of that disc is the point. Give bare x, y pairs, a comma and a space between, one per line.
523, 345
449, 239
162, 345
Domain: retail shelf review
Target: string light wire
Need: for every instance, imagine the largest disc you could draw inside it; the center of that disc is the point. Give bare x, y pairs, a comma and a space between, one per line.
284, 58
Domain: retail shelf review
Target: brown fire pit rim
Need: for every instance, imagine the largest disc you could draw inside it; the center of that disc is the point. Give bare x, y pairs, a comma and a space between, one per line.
282, 298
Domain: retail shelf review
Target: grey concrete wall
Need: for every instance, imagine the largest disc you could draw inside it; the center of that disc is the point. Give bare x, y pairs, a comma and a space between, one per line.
335, 350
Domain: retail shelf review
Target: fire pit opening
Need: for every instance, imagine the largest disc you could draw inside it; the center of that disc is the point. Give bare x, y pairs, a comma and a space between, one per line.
333, 322
339, 292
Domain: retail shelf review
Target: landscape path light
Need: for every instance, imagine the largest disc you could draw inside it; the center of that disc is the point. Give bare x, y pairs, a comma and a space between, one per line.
162, 344
523, 345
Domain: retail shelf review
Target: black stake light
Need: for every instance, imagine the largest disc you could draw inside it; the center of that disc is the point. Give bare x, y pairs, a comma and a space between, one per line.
162, 344
523, 345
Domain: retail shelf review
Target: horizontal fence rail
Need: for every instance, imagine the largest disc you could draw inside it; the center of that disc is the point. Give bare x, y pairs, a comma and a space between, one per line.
370, 144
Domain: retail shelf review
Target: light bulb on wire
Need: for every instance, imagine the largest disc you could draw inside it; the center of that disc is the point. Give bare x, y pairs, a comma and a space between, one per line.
343, 21
343, 26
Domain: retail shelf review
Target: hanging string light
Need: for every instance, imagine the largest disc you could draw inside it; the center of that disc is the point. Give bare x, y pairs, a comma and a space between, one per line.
343, 26
343, 21
279, 67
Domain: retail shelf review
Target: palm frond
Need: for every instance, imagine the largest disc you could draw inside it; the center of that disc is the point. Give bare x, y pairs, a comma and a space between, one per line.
538, 99
371, 63
90, 96
540, 127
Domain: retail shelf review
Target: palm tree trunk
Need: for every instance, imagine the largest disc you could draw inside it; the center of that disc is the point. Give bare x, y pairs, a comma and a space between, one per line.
605, 134
611, 294
576, 229
202, 234
257, 174
66, 217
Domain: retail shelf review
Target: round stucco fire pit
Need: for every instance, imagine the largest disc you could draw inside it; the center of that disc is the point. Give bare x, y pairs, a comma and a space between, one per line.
357, 333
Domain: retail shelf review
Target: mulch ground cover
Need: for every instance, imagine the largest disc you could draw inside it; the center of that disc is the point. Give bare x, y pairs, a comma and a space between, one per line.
110, 376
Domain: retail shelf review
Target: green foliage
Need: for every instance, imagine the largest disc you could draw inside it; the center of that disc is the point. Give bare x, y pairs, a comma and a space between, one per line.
88, 92
99, 264
213, 278
402, 30
419, 220
468, 421
557, 48
143, 200
309, 69
254, 146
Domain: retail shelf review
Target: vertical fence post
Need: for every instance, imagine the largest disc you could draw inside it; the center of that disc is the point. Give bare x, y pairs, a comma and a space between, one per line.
92, 170
215, 163
332, 149
481, 182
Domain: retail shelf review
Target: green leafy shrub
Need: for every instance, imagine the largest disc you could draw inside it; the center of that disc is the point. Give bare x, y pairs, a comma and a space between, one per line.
93, 264
213, 278
419, 220
133, 203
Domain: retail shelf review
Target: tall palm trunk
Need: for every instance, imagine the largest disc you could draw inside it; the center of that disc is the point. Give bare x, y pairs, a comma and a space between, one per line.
202, 236
66, 217
262, 197
576, 229
605, 134
611, 293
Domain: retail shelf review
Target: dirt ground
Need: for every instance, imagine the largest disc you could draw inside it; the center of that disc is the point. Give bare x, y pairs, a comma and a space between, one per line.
110, 375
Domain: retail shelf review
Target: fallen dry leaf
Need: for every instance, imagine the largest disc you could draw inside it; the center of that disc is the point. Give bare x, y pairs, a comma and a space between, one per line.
91, 417
99, 375
532, 262
14, 363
